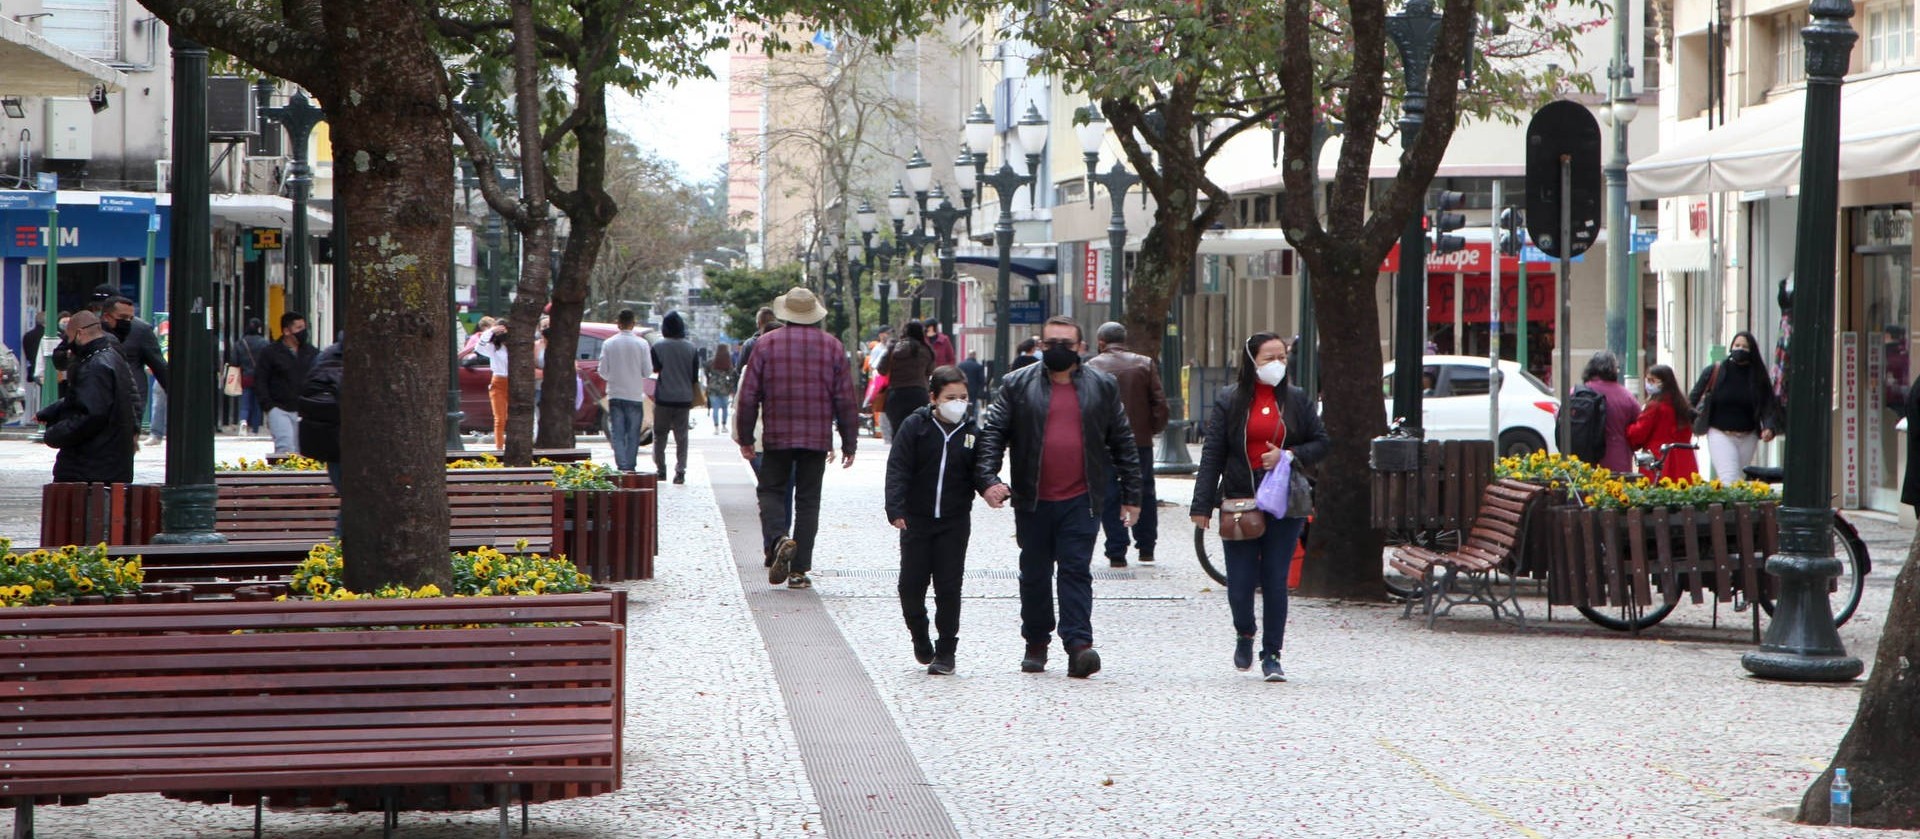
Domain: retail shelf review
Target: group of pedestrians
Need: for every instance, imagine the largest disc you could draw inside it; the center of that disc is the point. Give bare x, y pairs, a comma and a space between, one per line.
1732, 406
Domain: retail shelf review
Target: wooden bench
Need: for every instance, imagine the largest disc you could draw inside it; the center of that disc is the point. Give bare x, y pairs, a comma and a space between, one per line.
217, 702
1467, 576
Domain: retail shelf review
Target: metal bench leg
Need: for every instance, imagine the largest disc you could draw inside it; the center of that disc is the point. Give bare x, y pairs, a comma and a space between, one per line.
259, 804
525, 793
390, 813
23, 819
505, 794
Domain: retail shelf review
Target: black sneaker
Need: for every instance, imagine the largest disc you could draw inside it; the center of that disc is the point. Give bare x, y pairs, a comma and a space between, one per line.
1035, 660
1243, 653
679, 477
922, 647
1270, 667
799, 580
1083, 662
942, 665
1116, 562
1146, 557
783, 551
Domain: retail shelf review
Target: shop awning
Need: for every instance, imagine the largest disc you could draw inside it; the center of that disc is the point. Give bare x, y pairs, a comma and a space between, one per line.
1879, 135
266, 211
34, 66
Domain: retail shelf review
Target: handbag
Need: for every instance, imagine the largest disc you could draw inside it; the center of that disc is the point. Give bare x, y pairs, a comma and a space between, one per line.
1701, 409
699, 396
231, 385
1242, 519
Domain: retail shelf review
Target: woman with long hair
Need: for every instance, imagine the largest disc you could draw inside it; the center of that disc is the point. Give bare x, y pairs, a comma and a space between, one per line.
721, 379
1666, 417
1256, 421
907, 366
1736, 395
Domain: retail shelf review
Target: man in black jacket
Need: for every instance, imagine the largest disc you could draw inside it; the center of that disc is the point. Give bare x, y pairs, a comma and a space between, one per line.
1067, 431
281, 373
320, 415
93, 425
139, 344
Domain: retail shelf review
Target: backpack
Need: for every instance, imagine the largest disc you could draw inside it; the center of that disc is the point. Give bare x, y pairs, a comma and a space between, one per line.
1587, 415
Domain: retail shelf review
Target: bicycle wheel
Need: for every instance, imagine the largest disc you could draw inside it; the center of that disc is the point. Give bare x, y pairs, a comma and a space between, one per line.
1219, 574
1399, 586
1628, 618
1844, 595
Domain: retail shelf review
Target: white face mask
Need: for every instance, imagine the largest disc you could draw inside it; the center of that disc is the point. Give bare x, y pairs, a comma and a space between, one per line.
1653, 389
1271, 372
953, 412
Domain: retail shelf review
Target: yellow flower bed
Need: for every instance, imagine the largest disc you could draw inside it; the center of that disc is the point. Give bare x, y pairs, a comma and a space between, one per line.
292, 463
1602, 489
479, 573
40, 577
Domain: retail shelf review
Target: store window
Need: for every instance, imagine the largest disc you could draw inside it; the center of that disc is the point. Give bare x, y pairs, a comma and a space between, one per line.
88, 27
1883, 248
1789, 52
1889, 35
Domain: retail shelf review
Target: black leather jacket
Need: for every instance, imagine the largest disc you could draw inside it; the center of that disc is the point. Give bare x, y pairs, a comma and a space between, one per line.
1225, 471
1018, 419
94, 425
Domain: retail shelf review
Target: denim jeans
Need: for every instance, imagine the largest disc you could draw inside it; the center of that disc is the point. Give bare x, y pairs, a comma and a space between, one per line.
1262, 563
790, 491
284, 425
624, 418
158, 401
717, 404
250, 411
1146, 531
1056, 538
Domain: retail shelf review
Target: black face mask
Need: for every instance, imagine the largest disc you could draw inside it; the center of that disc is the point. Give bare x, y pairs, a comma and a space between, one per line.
123, 329
1740, 356
1059, 359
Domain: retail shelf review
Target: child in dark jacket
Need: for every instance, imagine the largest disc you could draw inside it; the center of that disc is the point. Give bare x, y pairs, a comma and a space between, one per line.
930, 489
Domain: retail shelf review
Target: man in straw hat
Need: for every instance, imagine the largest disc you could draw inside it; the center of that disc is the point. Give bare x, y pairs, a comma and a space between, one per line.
798, 376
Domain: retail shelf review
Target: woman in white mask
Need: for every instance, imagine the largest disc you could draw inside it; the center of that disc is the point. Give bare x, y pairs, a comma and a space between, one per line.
1256, 423
929, 499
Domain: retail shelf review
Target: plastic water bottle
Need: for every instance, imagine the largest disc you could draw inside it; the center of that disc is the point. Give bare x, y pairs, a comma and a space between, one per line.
1840, 805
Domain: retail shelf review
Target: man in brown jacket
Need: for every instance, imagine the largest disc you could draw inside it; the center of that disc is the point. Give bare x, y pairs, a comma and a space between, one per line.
1146, 408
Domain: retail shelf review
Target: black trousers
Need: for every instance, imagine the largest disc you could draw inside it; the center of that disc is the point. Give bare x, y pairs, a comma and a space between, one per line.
792, 474
933, 550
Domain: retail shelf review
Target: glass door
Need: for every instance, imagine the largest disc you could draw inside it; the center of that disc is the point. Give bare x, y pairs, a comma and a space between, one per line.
1885, 257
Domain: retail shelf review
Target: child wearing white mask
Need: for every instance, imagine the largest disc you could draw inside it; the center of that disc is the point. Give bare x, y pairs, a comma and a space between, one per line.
929, 499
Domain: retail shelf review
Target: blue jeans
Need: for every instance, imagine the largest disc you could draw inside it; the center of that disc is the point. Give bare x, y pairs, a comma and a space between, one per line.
1146, 531
157, 400
250, 415
717, 410
1056, 537
624, 420
1262, 563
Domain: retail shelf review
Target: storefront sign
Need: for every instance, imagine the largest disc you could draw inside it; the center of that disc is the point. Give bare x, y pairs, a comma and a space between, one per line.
1476, 292
1475, 258
85, 231
25, 199
1094, 287
1027, 311
1849, 391
142, 204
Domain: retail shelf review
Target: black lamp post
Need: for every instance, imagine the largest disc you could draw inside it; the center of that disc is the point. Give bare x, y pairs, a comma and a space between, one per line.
1005, 183
919, 177
1117, 180
943, 217
856, 265
1413, 31
298, 117
187, 501
1801, 643
963, 172
916, 243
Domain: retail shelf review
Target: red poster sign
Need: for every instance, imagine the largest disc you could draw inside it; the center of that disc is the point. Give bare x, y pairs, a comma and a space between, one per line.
1477, 290
1475, 258
1093, 290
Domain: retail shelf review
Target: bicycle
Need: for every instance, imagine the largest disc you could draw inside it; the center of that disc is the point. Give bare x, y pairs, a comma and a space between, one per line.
1219, 574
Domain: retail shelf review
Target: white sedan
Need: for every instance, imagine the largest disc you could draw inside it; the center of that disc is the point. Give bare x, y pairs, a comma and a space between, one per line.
1455, 405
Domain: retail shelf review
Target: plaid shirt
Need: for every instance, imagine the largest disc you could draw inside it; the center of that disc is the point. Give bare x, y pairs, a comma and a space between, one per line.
799, 375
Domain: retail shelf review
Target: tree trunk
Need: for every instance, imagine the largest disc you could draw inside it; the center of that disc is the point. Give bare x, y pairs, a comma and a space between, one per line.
389, 122
1160, 272
536, 255
1343, 557
1881, 752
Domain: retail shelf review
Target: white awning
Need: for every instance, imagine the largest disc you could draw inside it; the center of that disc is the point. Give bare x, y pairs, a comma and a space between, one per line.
1669, 257
1879, 135
266, 211
34, 66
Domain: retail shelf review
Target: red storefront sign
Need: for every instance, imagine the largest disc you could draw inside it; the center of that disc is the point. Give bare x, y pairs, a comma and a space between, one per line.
1475, 258
1477, 290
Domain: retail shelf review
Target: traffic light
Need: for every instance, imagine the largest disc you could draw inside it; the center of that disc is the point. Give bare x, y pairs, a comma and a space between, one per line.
1440, 221
1512, 229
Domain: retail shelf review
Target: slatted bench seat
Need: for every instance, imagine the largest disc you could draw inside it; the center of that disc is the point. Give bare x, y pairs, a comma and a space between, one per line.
217, 702
1467, 576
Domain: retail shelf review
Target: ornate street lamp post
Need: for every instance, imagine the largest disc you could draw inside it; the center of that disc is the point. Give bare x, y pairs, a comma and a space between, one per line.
298, 117
856, 265
943, 217
1005, 183
1117, 181
1621, 108
1801, 643
1413, 31
187, 501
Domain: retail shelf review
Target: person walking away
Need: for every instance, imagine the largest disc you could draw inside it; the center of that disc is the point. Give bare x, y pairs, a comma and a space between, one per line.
976, 374
1910, 481
245, 354
625, 362
720, 385
1735, 403
800, 380
1146, 405
139, 344
1028, 352
679, 368
1665, 418
1256, 421
929, 499
907, 367
1603, 377
1064, 428
94, 424
763, 321
283, 371
493, 347
941, 344
320, 415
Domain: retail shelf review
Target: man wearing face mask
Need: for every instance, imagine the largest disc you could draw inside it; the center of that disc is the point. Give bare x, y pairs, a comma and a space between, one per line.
139, 345
1067, 433
92, 425
282, 371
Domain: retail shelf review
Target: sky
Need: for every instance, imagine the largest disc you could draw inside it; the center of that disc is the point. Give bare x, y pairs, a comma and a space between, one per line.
686, 123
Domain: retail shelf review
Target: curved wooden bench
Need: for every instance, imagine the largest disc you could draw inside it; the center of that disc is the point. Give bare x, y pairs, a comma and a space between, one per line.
1467, 576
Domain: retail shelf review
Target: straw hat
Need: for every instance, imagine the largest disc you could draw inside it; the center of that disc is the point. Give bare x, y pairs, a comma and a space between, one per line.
799, 305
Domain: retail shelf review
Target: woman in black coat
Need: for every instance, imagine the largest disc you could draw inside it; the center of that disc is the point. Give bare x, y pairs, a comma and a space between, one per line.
1257, 421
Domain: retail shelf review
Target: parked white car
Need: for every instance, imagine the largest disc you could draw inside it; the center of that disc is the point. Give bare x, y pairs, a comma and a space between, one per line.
1455, 404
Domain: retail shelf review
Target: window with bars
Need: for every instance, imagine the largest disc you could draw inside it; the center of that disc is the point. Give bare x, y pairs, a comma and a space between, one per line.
88, 27
1789, 53
1889, 35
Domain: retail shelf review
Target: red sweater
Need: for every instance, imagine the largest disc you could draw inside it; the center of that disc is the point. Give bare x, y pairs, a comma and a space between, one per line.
1657, 426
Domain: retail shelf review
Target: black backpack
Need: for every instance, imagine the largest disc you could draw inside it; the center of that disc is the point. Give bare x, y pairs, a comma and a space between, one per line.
1587, 414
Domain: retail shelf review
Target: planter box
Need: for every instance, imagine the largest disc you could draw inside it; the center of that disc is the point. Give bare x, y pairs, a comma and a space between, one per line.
1615, 558
611, 535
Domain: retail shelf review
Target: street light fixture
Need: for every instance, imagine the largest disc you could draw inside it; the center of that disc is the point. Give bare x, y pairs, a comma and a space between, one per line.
1005, 182
978, 132
1031, 131
1093, 133
963, 172
899, 204
299, 117
919, 173
943, 217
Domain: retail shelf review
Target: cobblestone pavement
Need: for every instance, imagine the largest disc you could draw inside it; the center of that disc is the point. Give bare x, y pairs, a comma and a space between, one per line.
1385, 729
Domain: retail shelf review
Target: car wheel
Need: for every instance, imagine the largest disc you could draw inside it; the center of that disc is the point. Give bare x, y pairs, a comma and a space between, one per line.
1520, 442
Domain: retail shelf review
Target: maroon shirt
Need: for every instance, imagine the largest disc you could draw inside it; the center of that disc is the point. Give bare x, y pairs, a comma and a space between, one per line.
1063, 464
799, 379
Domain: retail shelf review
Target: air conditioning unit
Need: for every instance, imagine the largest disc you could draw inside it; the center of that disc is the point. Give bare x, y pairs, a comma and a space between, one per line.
230, 113
263, 175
